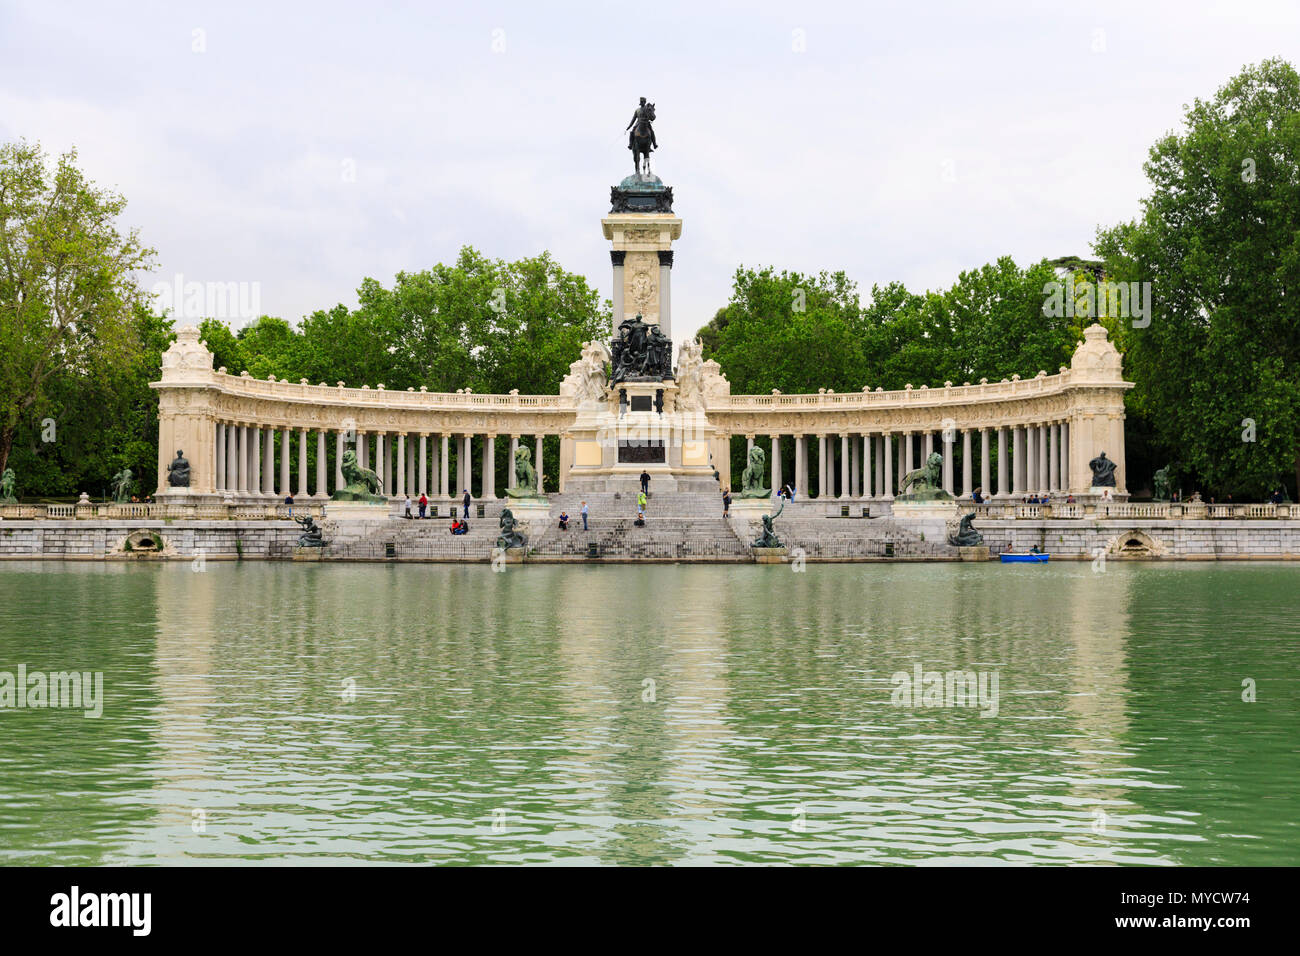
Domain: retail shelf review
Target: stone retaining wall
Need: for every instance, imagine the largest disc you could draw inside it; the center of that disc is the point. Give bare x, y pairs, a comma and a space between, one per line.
843, 539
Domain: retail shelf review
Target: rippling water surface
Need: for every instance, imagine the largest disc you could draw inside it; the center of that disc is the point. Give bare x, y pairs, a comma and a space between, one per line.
662, 714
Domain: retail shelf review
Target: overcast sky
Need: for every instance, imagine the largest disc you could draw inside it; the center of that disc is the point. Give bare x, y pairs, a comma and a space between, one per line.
304, 147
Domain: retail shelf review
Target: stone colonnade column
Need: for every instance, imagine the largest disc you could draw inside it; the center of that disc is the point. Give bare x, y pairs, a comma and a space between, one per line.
400, 484
424, 464
510, 462
1043, 457
1065, 458
1054, 459
886, 462
302, 463
444, 470
986, 474
844, 466
541, 488
322, 486
867, 486
220, 469
489, 467
776, 463
339, 447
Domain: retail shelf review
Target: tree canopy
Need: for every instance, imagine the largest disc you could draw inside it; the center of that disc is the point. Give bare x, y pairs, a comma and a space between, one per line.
70, 323
1218, 368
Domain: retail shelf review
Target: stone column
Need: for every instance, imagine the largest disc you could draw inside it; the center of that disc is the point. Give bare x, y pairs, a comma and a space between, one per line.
220, 484
776, 463
400, 483
1018, 460
947, 437
322, 465
267, 469
880, 466
363, 449
242, 487
844, 466
927, 446
801, 466
232, 458
1042, 458
284, 462
854, 487
302, 463
410, 470
381, 462
986, 474
821, 466
908, 458
1054, 459
340, 446
424, 464
510, 463
490, 467
967, 465
540, 486
867, 486
1004, 469
444, 468
886, 461
1066, 486
1031, 459
616, 257
665, 291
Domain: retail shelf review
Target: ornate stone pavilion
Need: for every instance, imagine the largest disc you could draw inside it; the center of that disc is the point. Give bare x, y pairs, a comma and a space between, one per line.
242, 434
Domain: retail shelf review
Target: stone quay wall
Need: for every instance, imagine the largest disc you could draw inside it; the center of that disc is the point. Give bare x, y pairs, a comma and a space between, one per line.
819, 539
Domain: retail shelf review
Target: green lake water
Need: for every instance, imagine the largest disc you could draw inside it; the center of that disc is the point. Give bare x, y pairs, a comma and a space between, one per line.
449, 714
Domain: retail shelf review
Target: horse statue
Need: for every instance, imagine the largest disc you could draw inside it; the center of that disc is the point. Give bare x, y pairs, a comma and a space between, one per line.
642, 139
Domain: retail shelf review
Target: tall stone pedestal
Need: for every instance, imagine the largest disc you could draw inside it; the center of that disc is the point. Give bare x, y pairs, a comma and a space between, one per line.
637, 428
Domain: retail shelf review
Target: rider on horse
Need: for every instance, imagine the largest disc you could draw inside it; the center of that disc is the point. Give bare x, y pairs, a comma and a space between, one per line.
645, 114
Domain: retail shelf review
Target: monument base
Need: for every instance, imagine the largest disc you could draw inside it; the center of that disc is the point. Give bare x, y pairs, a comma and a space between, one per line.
770, 555
939, 508
979, 552
306, 554
335, 510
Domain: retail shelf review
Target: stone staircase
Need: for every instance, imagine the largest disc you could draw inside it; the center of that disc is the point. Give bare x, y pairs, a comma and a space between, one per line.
665, 539
680, 526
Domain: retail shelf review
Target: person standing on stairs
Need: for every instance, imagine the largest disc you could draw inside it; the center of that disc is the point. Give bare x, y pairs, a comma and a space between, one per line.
640, 504
465, 501
584, 516
645, 482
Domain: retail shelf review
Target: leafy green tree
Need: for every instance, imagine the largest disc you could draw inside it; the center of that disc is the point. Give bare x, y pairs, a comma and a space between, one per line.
788, 331
1219, 240
68, 284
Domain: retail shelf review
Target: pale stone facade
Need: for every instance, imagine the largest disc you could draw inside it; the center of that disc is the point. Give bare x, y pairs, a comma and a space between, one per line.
235, 430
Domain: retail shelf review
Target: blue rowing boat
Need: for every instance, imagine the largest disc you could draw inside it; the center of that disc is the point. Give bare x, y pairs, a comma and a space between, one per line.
1010, 557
